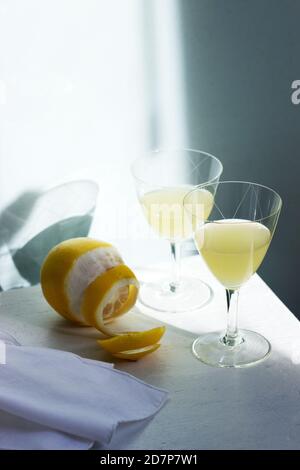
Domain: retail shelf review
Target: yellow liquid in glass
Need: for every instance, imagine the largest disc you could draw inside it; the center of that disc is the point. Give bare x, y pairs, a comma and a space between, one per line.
165, 211
233, 249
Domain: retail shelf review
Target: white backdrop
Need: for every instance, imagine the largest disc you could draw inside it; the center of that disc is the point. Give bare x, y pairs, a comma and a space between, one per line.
81, 84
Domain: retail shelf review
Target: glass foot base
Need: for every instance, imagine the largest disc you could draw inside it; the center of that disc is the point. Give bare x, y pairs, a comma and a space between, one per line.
252, 349
191, 295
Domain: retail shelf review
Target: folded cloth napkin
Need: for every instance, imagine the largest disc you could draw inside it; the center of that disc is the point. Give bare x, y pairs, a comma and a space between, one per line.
52, 399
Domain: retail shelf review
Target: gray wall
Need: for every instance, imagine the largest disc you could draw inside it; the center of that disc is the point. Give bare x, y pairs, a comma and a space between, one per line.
241, 57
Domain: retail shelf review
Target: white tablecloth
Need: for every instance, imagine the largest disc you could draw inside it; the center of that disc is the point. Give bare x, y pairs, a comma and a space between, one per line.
252, 408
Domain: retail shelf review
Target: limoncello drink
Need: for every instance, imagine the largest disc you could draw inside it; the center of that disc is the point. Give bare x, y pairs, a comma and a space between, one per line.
233, 249
165, 211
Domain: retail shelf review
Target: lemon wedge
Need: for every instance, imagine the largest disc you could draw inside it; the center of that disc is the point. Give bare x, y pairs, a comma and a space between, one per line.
132, 341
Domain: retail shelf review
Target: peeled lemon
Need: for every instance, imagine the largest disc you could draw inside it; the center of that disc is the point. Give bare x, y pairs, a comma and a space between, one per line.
86, 281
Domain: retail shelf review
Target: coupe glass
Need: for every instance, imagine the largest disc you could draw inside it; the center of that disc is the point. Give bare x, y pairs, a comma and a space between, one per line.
233, 242
162, 179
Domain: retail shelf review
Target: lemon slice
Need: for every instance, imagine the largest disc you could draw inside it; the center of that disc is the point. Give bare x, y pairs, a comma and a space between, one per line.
86, 281
136, 354
132, 341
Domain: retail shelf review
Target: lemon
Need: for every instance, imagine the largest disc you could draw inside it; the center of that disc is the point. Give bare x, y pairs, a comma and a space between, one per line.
87, 282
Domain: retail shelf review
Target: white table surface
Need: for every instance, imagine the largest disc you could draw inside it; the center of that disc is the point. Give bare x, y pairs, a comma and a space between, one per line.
252, 408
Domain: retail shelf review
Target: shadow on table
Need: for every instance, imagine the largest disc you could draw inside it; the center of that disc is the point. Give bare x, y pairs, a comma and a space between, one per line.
37, 221
14, 216
12, 219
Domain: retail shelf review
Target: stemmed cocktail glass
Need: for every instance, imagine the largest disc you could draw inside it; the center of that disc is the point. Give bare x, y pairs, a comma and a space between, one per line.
233, 241
162, 179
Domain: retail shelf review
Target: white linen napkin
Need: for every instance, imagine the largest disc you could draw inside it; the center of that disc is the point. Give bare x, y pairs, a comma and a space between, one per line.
52, 399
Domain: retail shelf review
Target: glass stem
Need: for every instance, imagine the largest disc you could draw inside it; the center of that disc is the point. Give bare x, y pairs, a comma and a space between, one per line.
232, 337
176, 255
